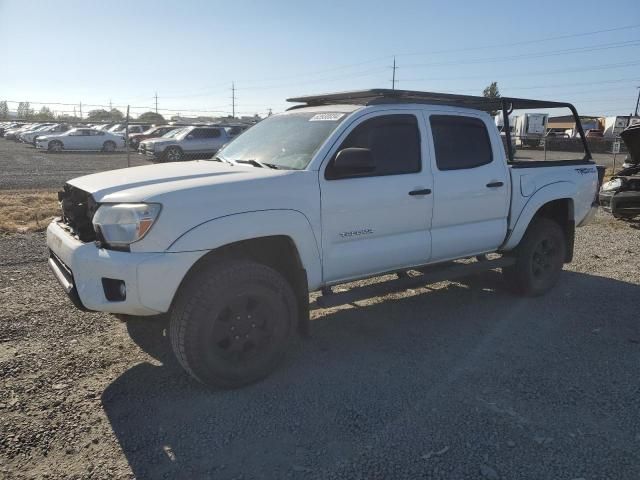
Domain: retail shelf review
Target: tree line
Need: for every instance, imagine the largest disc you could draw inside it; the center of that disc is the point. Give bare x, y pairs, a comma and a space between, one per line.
25, 112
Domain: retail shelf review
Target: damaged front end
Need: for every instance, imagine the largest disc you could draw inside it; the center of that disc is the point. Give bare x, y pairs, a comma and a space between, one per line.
78, 208
621, 194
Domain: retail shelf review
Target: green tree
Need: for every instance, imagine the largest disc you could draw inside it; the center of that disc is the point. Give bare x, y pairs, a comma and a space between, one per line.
24, 111
152, 117
45, 114
116, 115
492, 91
102, 115
4, 110
99, 115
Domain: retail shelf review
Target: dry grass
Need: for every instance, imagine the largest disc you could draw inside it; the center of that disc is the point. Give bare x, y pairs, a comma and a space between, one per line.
27, 210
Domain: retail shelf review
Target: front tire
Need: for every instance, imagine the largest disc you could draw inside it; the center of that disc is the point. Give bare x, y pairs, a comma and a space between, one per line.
173, 154
55, 146
232, 322
539, 259
109, 146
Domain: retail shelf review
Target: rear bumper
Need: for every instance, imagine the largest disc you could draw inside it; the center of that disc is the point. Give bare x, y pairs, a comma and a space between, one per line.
151, 279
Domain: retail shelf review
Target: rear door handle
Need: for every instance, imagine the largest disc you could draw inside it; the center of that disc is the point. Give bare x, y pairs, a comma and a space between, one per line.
495, 184
424, 191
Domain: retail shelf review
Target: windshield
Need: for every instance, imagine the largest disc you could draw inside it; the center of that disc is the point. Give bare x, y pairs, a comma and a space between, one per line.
287, 141
173, 133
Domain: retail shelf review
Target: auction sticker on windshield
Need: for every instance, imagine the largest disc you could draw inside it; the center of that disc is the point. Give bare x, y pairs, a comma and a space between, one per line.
326, 117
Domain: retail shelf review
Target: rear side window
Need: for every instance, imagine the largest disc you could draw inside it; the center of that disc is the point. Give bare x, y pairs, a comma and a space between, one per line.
460, 142
394, 141
211, 133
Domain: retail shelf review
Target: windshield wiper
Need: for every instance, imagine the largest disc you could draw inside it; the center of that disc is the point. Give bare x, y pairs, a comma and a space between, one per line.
256, 163
223, 160
253, 162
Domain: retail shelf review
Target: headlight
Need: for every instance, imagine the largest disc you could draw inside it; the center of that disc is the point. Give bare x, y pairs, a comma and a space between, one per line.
614, 184
121, 224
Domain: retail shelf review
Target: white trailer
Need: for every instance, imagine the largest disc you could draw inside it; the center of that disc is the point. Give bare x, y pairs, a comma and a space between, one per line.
530, 128
613, 126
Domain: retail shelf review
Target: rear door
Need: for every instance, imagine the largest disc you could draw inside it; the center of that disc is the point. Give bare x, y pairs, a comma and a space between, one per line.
378, 221
471, 189
78, 139
214, 139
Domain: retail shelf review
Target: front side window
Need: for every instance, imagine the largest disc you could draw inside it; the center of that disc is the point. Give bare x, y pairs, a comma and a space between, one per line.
394, 142
460, 142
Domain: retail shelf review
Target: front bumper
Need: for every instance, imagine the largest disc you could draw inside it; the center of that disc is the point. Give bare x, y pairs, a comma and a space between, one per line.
151, 279
625, 203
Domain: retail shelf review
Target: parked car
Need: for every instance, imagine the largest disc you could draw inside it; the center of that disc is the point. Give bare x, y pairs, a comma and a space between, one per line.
9, 126
189, 142
104, 126
153, 132
595, 133
81, 139
13, 134
121, 130
143, 146
30, 137
621, 194
343, 187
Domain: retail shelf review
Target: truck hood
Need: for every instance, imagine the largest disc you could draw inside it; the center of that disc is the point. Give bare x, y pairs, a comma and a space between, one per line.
631, 139
149, 182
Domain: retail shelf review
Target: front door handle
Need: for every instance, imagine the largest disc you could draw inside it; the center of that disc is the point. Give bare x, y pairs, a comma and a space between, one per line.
424, 191
495, 184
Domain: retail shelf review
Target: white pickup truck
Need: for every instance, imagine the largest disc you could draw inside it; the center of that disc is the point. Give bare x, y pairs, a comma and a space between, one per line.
342, 187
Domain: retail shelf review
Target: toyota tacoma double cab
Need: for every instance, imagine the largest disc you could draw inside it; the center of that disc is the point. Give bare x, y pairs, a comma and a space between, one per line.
339, 187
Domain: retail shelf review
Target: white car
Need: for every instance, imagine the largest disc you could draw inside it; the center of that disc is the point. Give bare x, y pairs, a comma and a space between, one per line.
81, 139
30, 137
343, 187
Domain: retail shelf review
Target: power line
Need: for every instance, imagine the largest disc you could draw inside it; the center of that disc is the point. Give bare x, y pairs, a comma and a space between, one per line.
507, 58
527, 74
523, 42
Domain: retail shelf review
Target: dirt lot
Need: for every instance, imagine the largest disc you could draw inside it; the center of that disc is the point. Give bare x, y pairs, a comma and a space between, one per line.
458, 380
23, 166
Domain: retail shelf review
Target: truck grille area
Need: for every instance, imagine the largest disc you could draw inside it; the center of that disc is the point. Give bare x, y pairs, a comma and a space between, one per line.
78, 208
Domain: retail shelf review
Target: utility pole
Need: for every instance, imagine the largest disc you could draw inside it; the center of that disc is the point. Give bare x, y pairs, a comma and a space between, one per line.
233, 100
637, 101
80, 110
110, 106
156, 97
393, 80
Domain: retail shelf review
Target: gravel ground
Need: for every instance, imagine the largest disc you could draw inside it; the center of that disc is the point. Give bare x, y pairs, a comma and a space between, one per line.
458, 380
23, 166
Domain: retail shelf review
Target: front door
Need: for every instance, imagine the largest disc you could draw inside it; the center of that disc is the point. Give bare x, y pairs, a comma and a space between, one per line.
378, 221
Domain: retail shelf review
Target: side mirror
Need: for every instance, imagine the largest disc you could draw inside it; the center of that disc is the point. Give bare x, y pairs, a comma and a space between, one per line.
190, 136
354, 161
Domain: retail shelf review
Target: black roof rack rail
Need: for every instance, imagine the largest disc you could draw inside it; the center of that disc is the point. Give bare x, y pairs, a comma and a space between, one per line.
377, 96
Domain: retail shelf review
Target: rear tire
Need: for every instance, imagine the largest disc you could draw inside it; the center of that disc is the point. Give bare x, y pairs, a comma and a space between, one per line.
539, 259
232, 322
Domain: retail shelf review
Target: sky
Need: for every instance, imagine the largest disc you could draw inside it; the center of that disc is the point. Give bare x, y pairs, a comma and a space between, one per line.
190, 51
